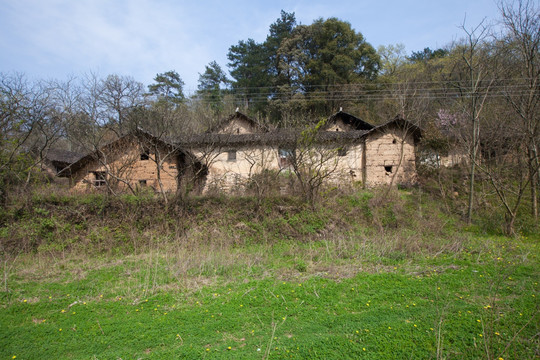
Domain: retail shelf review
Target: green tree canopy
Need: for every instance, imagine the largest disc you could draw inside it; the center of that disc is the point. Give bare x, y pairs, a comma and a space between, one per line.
280, 30
300, 59
249, 68
212, 79
210, 86
321, 59
168, 86
337, 54
427, 54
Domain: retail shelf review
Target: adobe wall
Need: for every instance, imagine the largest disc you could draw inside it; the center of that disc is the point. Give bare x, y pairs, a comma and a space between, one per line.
237, 126
125, 162
349, 166
390, 158
232, 175
339, 125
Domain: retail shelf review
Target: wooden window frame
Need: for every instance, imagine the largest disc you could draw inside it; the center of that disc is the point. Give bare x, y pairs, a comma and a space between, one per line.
100, 178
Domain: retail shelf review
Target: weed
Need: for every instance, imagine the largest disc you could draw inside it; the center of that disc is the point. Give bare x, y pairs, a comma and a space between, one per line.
128, 278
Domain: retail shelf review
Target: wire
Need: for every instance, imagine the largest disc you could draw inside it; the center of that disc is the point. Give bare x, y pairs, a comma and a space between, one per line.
373, 85
419, 94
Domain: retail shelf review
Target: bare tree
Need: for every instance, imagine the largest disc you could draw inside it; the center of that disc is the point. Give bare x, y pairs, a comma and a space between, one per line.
155, 128
263, 174
30, 123
94, 128
521, 45
118, 95
474, 82
314, 160
505, 166
15, 130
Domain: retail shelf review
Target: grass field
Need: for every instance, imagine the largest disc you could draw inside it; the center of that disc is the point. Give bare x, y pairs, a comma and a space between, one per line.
300, 284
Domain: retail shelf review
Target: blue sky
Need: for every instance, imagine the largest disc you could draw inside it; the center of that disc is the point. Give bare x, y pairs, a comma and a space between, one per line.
57, 38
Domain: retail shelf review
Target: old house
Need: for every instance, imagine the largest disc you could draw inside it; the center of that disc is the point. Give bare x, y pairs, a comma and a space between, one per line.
342, 150
237, 124
132, 162
58, 161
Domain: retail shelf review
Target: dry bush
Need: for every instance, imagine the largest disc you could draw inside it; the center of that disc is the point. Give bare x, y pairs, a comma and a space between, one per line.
214, 233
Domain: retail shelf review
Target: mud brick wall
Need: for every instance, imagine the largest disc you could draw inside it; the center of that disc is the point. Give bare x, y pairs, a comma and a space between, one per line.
390, 158
123, 164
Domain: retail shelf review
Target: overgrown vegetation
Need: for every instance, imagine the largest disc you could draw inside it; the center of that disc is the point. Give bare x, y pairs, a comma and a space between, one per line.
447, 270
371, 274
477, 97
62, 221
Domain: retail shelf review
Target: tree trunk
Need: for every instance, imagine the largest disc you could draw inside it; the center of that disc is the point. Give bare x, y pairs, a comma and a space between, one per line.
473, 156
510, 224
533, 178
471, 194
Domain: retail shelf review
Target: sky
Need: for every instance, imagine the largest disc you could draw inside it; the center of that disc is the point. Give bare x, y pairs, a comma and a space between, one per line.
56, 39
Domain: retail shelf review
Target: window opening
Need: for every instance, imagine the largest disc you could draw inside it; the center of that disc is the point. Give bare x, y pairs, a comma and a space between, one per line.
142, 182
231, 155
388, 168
394, 141
342, 151
99, 178
285, 157
145, 155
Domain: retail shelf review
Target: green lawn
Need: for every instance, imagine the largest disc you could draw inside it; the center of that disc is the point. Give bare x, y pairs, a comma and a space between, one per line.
314, 300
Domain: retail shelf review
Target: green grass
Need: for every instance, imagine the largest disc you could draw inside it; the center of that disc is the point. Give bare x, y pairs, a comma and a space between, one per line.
362, 277
479, 303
